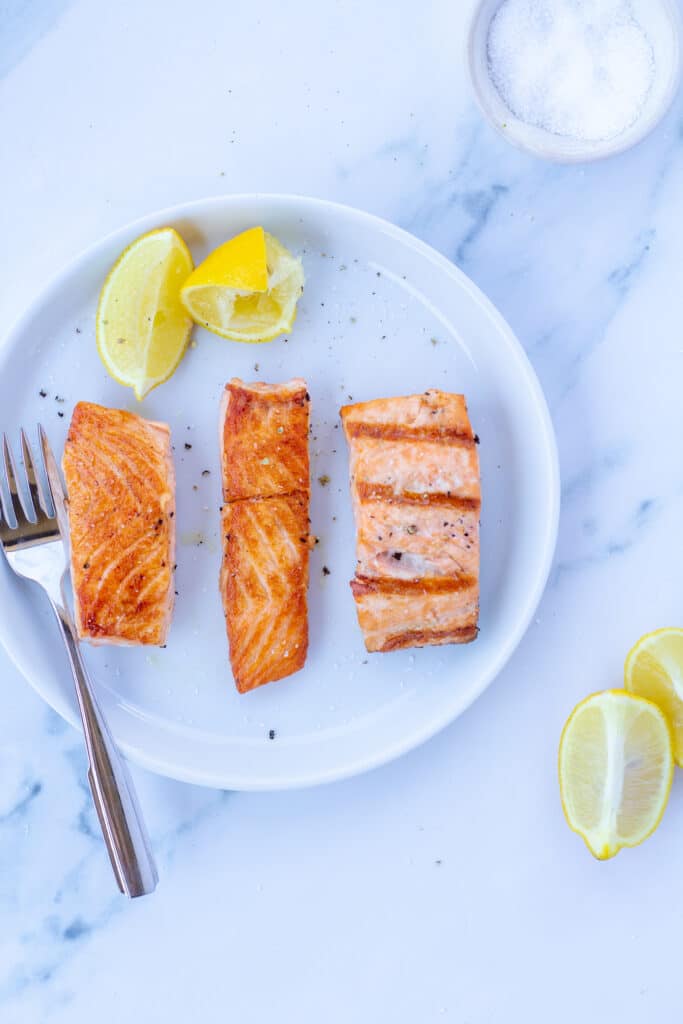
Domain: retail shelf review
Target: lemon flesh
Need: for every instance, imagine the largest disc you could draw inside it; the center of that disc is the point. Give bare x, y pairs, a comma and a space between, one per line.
615, 768
142, 326
247, 289
654, 669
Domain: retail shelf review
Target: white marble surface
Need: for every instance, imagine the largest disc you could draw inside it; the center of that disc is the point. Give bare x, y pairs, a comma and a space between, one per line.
445, 886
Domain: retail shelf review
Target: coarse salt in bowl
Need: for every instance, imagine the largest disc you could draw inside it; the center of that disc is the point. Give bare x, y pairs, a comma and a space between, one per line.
575, 80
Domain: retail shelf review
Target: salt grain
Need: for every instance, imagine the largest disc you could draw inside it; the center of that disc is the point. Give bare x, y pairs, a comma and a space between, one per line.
576, 68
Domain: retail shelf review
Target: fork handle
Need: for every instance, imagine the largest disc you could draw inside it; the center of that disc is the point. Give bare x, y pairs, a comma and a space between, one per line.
112, 788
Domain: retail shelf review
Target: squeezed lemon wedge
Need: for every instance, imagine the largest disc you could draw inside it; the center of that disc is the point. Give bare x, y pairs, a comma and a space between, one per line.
247, 289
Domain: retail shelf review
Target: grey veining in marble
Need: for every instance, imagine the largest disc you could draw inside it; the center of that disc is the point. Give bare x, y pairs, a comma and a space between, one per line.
445, 886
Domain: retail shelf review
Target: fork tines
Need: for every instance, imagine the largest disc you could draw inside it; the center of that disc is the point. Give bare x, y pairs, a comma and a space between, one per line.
23, 498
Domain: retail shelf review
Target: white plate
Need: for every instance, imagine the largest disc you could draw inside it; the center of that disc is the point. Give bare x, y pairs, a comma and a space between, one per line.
382, 314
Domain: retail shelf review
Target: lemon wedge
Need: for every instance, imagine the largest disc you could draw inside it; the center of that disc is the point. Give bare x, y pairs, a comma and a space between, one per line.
246, 289
142, 326
615, 767
654, 669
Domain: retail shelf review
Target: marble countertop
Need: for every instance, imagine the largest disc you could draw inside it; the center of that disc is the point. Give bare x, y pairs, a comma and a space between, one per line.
445, 886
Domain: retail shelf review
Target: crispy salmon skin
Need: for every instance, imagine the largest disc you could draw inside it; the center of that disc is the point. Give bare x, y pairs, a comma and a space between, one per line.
121, 499
416, 497
266, 493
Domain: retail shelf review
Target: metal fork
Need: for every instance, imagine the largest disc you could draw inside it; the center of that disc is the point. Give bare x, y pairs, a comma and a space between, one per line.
34, 536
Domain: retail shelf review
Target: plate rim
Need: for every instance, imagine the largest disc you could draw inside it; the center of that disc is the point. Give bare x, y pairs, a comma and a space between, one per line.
415, 738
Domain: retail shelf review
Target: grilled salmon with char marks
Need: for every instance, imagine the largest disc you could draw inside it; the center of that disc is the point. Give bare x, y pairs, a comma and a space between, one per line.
121, 500
416, 496
266, 490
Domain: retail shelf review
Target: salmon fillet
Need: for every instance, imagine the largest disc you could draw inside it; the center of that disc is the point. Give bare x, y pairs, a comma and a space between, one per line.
266, 493
416, 498
121, 500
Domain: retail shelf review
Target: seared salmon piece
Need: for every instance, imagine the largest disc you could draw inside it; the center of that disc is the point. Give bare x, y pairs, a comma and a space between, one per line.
416, 614
431, 540
264, 439
266, 493
416, 498
264, 581
121, 500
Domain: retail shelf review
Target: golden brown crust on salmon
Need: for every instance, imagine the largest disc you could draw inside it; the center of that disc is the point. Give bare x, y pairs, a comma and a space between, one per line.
266, 489
362, 585
380, 492
263, 580
121, 498
416, 497
264, 435
430, 637
428, 432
